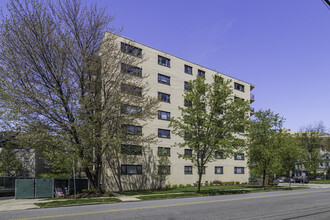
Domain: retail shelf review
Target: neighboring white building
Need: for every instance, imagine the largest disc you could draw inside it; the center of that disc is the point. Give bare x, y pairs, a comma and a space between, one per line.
167, 75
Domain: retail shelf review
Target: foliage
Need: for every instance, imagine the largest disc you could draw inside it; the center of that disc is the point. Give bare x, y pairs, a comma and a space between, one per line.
265, 141
163, 168
181, 186
10, 165
60, 67
53, 175
210, 122
77, 202
310, 138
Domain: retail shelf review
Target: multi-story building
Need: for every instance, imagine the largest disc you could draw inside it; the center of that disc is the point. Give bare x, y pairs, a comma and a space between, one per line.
167, 77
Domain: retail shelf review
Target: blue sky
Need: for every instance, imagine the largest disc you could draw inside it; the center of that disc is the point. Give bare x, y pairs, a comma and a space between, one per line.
279, 46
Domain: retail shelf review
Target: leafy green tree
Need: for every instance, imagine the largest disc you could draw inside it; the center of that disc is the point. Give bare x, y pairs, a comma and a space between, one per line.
210, 122
63, 74
290, 153
265, 142
311, 140
163, 168
10, 165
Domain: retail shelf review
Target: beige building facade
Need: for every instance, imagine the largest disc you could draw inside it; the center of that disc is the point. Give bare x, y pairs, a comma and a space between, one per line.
166, 76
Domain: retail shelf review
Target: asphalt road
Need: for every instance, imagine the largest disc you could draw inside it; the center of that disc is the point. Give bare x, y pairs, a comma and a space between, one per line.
296, 204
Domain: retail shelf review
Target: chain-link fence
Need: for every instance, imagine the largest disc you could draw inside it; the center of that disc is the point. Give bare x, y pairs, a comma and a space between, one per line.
7, 182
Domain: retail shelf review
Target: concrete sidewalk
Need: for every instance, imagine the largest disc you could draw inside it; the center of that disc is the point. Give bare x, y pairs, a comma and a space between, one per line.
11, 204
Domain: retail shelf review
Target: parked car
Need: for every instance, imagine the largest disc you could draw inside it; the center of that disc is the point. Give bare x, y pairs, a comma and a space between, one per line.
278, 180
301, 180
288, 180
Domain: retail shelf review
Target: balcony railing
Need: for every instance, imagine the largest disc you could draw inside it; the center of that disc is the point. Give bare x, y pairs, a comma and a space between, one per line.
252, 111
252, 98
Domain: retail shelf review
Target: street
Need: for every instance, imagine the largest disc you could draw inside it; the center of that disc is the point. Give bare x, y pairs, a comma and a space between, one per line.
296, 204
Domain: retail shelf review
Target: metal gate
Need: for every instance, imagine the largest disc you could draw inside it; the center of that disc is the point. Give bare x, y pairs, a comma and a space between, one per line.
24, 189
44, 188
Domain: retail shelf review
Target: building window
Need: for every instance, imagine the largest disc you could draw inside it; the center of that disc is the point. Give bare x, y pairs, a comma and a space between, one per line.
131, 150
167, 150
200, 154
201, 73
132, 70
239, 170
132, 90
239, 87
187, 152
163, 97
164, 61
218, 170
135, 51
27, 149
187, 86
26, 160
203, 170
163, 133
164, 170
239, 156
164, 115
188, 170
131, 169
132, 129
164, 79
131, 109
188, 69
219, 155
187, 103
238, 98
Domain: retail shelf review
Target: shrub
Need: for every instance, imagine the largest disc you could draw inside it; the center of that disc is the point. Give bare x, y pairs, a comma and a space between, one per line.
211, 184
217, 182
237, 182
195, 184
273, 184
174, 186
206, 184
181, 185
188, 185
168, 186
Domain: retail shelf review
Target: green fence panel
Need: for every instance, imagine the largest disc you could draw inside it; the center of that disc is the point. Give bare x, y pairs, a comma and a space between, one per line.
44, 188
24, 189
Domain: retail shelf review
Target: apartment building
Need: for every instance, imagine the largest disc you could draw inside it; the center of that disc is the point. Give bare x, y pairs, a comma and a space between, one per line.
167, 78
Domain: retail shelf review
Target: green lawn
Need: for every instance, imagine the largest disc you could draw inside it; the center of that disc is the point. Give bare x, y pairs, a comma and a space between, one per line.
69, 202
320, 181
194, 189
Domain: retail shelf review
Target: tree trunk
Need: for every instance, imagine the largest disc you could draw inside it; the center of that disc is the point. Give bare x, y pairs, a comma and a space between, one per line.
263, 178
199, 181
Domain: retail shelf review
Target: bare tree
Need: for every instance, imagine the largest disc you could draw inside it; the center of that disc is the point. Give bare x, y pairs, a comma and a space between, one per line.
63, 74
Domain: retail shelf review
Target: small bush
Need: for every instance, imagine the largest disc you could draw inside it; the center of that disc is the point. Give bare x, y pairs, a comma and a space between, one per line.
181, 185
168, 186
217, 182
174, 186
195, 184
211, 184
206, 184
188, 185
273, 184
237, 182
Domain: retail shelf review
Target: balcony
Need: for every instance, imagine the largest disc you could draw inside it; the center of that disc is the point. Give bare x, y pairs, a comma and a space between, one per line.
252, 111
251, 98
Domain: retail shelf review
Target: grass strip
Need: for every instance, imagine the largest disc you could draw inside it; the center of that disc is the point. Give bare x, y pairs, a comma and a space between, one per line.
76, 202
320, 181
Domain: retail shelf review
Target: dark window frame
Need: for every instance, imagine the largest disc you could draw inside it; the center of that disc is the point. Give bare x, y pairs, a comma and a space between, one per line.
164, 97
137, 130
168, 115
166, 82
187, 86
131, 50
201, 73
162, 168
219, 155
235, 156
188, 170
131, 90
235, 170
164, 61
217, 167
131, 70
188, 69
131, 109
166, 134
168, 150
188, 152
239, 87
124, 169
